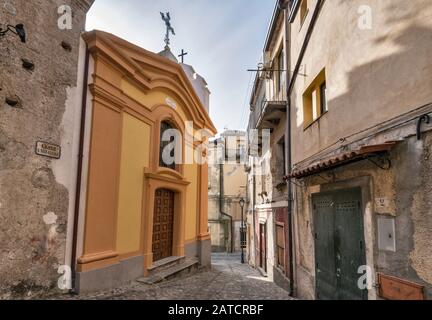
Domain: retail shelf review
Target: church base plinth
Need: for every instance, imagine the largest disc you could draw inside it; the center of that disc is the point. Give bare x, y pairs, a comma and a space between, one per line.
110, 277
200, 249
204, 253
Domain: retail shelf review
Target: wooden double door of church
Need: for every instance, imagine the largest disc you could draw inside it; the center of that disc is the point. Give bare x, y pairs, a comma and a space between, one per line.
163, 224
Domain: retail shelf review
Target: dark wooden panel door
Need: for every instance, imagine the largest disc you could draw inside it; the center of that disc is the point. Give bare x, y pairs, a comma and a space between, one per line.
339, 244
163, 224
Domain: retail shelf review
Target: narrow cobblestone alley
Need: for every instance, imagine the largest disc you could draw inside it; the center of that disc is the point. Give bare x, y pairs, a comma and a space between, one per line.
228, 279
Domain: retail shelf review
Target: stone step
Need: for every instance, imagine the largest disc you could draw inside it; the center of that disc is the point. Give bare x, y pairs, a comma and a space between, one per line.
164, 264
188, 266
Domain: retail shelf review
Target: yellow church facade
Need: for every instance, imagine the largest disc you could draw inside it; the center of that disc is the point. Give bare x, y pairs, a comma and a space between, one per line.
132, 211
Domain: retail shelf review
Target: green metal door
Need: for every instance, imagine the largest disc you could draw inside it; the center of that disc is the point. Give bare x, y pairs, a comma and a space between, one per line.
339, 244
326, 283
349, 244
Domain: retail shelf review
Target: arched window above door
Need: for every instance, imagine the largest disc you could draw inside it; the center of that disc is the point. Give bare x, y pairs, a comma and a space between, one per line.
170, 153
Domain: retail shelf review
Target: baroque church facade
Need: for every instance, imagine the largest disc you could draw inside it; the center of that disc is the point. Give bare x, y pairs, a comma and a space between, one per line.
134, 212
86, 202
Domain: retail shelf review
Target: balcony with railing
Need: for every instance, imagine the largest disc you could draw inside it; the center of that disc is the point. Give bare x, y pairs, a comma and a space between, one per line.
272, 108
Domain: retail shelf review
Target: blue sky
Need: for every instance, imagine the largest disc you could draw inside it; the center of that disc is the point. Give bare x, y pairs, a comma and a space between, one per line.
224, 38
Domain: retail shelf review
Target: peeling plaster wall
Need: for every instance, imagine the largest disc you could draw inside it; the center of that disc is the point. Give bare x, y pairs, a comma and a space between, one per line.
421, 255
413, 259
408, 186
66, 168
35, 192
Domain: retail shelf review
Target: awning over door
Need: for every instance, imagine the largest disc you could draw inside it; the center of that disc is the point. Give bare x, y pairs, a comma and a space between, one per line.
362, 153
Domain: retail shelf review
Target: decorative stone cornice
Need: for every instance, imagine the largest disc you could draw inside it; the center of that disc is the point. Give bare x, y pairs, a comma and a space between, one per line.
132, 60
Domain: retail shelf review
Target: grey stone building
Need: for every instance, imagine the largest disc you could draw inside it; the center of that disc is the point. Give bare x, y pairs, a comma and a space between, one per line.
40, 89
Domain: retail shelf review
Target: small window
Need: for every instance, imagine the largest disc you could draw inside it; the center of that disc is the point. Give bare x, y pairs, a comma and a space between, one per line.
234, 149
315, 100
281, 157
323, 98
170, 146
303, 11
281, 70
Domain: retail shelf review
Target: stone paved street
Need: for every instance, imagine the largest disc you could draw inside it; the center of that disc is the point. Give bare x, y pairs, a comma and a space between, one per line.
227, 280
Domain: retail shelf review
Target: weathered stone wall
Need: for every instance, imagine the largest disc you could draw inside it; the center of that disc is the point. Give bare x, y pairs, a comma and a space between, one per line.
33, 204
408, 188
413, 199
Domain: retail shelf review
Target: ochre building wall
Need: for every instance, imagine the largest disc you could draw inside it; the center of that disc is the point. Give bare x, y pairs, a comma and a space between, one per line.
133, 91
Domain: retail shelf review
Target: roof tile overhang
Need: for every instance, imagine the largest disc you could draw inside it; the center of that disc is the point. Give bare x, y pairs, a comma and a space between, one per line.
341, 159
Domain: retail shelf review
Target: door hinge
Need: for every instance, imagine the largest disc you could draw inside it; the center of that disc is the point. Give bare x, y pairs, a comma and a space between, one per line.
316, 236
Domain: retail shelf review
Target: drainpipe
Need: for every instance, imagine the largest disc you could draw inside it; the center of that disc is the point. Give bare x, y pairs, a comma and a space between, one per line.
247, 214
79, 170
305, 44
290, 203
288, 157
221, 192
254, 217
290, 86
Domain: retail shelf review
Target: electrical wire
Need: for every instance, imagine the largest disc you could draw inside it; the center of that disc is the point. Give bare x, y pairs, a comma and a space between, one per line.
247, 95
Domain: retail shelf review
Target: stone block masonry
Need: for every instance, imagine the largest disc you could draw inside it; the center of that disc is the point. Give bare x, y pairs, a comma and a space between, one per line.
38, 97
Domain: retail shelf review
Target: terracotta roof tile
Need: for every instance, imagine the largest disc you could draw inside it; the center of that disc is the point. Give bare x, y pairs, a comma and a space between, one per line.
343, 158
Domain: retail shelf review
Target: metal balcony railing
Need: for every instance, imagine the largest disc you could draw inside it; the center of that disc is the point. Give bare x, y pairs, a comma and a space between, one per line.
268, 109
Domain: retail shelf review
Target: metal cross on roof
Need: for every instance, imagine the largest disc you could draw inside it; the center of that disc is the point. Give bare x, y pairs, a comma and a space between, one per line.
167, 18
182, 55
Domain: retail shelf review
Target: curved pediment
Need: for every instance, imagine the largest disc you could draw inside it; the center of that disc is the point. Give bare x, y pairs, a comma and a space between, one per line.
149, 71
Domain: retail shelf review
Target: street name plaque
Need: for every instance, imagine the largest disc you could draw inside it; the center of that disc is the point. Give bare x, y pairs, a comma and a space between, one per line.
48, 150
